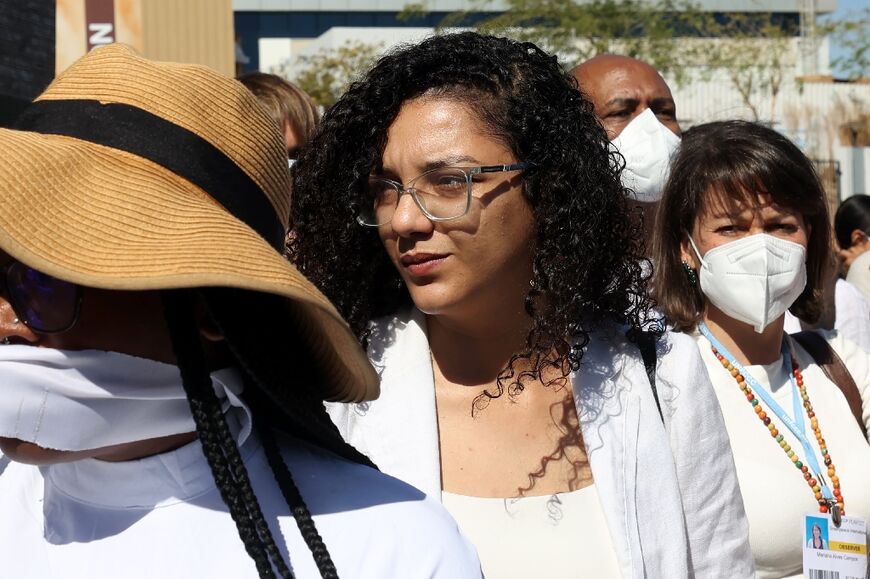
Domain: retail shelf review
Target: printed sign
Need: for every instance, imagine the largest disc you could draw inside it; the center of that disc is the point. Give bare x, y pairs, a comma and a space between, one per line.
82, 25
100, 17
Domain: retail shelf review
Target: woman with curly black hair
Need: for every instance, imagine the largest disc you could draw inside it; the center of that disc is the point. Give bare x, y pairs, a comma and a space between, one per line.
461, 206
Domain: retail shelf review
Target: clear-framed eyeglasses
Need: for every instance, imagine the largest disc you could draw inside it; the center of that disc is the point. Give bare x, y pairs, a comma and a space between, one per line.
441, 194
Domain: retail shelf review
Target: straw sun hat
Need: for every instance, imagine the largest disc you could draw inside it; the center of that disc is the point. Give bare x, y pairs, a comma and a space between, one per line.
128, 174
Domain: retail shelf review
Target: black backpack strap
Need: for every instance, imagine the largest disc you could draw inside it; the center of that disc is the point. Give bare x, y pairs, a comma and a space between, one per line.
646, 343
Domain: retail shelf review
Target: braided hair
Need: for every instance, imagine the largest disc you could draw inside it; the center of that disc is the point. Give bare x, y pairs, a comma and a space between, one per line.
295, 409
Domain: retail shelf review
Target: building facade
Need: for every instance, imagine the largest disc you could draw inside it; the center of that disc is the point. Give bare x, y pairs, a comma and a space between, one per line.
798, 96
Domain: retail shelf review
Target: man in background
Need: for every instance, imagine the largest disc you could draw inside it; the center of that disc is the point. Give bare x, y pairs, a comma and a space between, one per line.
636, 108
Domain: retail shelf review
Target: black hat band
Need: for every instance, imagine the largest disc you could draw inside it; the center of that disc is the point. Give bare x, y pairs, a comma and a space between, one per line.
179, 150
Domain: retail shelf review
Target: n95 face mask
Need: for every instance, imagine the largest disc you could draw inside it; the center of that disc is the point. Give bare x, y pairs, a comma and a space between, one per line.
754, 279
647, 146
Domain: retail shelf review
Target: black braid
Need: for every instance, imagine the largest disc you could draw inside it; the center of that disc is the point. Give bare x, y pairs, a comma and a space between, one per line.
296, 409
219, 447
296, 503
240, 474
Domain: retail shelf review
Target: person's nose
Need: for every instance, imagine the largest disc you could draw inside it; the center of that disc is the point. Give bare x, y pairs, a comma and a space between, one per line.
408, 219
756, 227
11, 327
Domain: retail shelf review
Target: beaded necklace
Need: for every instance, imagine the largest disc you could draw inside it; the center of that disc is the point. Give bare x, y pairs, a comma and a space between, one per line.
836, 504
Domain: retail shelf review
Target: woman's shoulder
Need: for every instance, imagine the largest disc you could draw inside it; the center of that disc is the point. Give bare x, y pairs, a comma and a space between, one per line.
335, 484
681, 381
675, 352
680, 344
848, 351
856, 362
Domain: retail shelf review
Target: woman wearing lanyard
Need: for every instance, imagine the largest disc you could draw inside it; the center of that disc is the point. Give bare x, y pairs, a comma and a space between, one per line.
743, 235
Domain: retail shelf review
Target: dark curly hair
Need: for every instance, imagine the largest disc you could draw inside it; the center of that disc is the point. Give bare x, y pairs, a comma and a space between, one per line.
587, 264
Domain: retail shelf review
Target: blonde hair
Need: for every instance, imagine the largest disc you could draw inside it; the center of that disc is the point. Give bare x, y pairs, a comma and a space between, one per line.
285, 102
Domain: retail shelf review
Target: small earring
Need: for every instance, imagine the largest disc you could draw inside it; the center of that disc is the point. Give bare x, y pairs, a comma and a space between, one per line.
690, 273
7, 341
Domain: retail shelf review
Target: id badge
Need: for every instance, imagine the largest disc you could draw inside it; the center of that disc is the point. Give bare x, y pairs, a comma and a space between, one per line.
834, 553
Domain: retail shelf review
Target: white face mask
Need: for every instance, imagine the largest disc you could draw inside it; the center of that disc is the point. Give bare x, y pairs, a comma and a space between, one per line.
647, 146
754, 279
65, 400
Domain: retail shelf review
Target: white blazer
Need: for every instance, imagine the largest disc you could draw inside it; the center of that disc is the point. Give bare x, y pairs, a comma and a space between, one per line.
669, 492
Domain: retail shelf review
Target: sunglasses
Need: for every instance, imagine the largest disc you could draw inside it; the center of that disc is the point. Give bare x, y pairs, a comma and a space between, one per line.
43, 303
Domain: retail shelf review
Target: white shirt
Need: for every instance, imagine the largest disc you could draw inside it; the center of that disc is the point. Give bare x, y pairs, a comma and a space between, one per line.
774, 491
564, 533
852, 315
859, 274
668, 491
163, 517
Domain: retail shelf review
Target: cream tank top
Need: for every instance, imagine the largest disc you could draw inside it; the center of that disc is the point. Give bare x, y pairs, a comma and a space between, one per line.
557, 536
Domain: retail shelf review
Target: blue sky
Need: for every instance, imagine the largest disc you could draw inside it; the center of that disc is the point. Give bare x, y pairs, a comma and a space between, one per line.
843, 8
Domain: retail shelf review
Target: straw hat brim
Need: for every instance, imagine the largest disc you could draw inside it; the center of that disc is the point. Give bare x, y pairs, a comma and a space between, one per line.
104, 218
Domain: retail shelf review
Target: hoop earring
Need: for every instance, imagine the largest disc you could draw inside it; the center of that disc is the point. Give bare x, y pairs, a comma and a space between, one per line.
690, 273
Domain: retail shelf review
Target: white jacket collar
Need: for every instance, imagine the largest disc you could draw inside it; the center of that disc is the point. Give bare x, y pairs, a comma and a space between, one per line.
399, 431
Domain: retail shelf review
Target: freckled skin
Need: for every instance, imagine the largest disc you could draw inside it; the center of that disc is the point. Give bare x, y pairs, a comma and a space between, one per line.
722, 220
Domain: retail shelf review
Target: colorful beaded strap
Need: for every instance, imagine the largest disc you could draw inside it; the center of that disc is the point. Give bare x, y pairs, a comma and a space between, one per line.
836, 504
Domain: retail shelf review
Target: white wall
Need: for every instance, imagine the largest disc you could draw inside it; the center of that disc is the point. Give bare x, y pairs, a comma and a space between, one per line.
854, 170
810, 113
273, 52
383, 38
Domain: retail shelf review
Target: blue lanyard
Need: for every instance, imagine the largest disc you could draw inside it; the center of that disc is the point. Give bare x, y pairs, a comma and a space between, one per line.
797, 425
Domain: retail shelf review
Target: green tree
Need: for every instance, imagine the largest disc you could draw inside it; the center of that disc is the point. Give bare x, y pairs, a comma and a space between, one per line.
326, 74
644, 29
754, 50
853, 35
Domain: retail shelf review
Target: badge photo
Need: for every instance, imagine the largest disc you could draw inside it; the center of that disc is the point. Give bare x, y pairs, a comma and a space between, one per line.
832, 552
